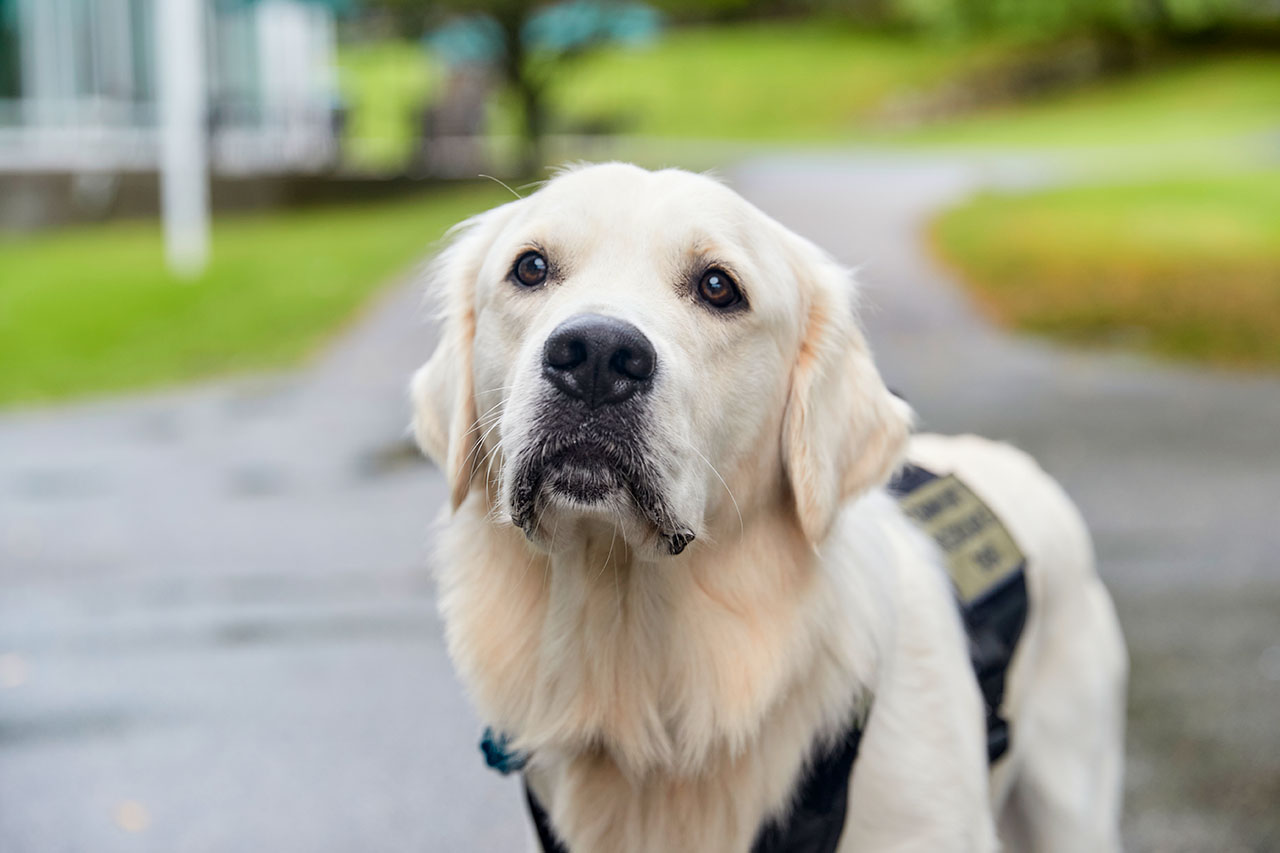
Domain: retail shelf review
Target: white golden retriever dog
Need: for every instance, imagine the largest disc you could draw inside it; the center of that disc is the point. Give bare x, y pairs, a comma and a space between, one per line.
673, 576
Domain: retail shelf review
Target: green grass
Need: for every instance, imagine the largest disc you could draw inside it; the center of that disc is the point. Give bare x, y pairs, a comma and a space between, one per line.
809, 82
385, 85
93, 309
1200, 100
1185, 267
805, 81
775, 81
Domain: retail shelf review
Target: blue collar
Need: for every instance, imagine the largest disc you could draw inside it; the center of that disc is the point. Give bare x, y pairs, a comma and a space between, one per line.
499, 755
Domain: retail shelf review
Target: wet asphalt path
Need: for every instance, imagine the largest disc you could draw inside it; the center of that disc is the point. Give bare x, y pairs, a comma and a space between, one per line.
217, 629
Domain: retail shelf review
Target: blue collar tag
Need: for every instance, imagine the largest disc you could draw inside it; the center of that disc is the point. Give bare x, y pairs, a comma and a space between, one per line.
498, 755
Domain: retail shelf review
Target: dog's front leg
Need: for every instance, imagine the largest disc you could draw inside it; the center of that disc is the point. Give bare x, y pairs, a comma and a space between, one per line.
921, 779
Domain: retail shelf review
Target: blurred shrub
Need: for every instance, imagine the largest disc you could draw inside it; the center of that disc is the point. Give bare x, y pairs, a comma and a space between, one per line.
1168, 20
1182, 267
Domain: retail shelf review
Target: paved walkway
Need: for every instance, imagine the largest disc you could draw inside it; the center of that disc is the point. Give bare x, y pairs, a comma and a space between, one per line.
217, 632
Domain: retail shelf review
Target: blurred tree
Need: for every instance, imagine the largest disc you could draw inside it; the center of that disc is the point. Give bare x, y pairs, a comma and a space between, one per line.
1168, 21
9, 78
526, 42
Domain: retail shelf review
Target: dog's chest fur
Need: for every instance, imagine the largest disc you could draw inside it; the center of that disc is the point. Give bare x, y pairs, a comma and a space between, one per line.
594, 806
665, 706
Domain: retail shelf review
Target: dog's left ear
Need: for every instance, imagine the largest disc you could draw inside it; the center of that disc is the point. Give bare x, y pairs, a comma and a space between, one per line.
442, 392
844, 432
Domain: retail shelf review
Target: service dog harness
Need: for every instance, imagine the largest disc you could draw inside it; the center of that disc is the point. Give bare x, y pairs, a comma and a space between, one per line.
988, 572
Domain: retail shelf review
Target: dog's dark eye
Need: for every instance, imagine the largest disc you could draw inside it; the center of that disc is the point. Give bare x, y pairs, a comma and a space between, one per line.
530, 269
718, 290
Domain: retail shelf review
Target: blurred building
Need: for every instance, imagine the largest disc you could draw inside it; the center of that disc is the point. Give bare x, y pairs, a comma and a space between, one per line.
78, 88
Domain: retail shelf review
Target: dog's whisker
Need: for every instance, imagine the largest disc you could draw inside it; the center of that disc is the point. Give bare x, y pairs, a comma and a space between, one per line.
742, 527
480, 443
493, 455
537, 520
479, 423
481, 417
533, 554
502, 184
497, 389
617, 588
551, 549
487, 412
610, 554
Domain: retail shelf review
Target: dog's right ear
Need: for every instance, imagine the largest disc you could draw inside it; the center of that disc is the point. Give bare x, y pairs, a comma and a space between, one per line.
442, 392
843, 432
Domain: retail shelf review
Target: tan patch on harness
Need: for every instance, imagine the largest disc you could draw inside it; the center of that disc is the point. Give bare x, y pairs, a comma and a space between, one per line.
979, 550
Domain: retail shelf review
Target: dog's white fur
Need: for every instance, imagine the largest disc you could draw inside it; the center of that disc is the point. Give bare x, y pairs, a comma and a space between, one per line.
669, 703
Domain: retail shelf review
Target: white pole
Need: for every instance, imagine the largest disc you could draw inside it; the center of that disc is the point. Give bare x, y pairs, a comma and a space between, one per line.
184, 179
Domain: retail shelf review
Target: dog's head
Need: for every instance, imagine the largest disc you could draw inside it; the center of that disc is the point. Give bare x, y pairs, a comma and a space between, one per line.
646, 352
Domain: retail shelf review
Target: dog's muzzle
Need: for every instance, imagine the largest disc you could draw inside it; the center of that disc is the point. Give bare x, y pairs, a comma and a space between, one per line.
589, 445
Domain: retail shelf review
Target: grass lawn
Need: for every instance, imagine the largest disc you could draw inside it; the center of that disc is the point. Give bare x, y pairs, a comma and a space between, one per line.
93, 309
804, 81
1185, 103
809, 81
384, 84
1188, 268
815, 82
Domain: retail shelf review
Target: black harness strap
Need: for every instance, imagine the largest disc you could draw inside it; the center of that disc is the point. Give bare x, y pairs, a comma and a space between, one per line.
988, 571
546, 837
994, 626
813, 825
816, 820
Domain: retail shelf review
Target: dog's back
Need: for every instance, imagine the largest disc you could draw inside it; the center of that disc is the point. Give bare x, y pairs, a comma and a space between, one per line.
1059, 786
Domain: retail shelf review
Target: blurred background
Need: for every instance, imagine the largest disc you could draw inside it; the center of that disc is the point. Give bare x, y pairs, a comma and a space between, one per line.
217, 627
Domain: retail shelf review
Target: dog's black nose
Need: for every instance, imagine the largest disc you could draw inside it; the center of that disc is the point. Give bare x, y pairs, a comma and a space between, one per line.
599, 360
